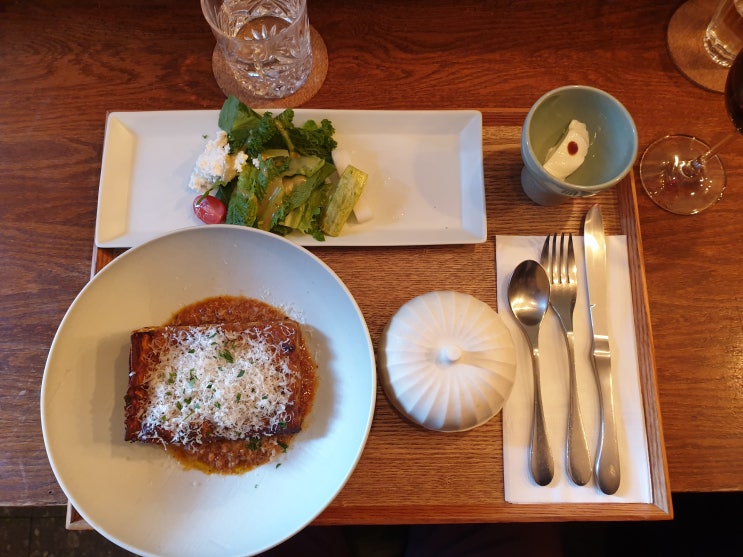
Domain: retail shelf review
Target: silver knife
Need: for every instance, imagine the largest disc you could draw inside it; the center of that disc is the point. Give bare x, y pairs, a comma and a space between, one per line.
607, 456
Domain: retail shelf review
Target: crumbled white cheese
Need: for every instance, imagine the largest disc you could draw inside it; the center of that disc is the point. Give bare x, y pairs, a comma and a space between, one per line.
568, 155
206, 374
216, 164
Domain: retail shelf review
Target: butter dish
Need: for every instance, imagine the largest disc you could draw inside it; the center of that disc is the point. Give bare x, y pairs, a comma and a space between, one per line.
447, 361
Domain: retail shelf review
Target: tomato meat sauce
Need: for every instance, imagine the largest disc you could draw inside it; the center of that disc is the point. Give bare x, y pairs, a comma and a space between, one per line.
224, 456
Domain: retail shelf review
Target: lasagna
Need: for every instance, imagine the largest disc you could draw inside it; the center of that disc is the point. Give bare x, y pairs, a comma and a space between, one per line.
217, 389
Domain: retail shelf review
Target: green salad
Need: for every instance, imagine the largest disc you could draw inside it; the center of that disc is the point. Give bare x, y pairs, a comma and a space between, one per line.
274, 175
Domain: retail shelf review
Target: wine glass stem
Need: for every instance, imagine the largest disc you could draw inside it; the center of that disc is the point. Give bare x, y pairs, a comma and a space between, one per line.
697, 164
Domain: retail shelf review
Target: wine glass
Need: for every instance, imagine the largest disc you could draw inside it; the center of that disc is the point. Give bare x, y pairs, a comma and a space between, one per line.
683, 174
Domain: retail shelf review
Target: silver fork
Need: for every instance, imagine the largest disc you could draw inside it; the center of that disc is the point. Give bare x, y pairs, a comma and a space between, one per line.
561, 269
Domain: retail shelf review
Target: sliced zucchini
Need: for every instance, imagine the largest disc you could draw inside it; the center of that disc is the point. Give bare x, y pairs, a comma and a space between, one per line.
342, 200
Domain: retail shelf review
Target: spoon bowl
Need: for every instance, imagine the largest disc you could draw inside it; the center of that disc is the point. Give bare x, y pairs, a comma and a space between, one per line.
528, 296
529, 293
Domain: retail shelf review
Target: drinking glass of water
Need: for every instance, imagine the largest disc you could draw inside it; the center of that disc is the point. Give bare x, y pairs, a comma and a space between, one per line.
723, 37
265, 44
703, 38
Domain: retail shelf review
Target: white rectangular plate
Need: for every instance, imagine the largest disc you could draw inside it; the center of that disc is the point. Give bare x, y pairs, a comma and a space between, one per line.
425, 175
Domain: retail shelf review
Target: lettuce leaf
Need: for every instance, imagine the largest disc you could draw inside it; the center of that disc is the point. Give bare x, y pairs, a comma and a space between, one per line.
255, 197
242, 208
254, 133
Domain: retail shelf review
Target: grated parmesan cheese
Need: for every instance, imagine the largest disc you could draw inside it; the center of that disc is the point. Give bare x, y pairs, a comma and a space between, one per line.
239, 382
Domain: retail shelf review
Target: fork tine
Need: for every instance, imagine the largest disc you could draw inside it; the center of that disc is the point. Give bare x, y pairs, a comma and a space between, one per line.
563, 261
545, 257
556, 258
572, 269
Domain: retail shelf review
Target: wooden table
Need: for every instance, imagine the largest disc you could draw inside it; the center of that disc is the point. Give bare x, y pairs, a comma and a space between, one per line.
64, 65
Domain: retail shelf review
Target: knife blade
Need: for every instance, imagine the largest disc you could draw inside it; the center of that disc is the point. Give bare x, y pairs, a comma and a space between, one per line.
607, 457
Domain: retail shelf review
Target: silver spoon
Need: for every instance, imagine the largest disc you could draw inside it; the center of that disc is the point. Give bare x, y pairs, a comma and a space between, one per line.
528, 295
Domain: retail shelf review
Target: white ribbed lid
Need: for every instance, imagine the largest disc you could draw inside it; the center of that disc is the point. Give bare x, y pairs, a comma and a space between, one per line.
447, 361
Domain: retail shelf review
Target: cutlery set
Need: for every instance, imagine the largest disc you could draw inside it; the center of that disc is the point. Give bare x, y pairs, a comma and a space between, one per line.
553, 282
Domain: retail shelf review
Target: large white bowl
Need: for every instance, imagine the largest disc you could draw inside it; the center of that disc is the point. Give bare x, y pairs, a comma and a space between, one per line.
136, 495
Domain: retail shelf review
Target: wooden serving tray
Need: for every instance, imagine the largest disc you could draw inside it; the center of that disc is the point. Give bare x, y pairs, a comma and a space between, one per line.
409, 475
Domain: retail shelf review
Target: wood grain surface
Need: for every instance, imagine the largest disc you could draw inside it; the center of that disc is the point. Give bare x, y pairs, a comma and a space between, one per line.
63, 66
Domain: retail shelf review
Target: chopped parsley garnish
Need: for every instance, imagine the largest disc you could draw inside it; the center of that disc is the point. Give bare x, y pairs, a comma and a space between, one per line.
254, 443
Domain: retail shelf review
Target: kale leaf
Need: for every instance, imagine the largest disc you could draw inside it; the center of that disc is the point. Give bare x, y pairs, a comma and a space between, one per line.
250, 132
259, 196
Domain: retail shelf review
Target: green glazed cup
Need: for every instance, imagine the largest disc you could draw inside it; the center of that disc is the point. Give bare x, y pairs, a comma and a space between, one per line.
612, 147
